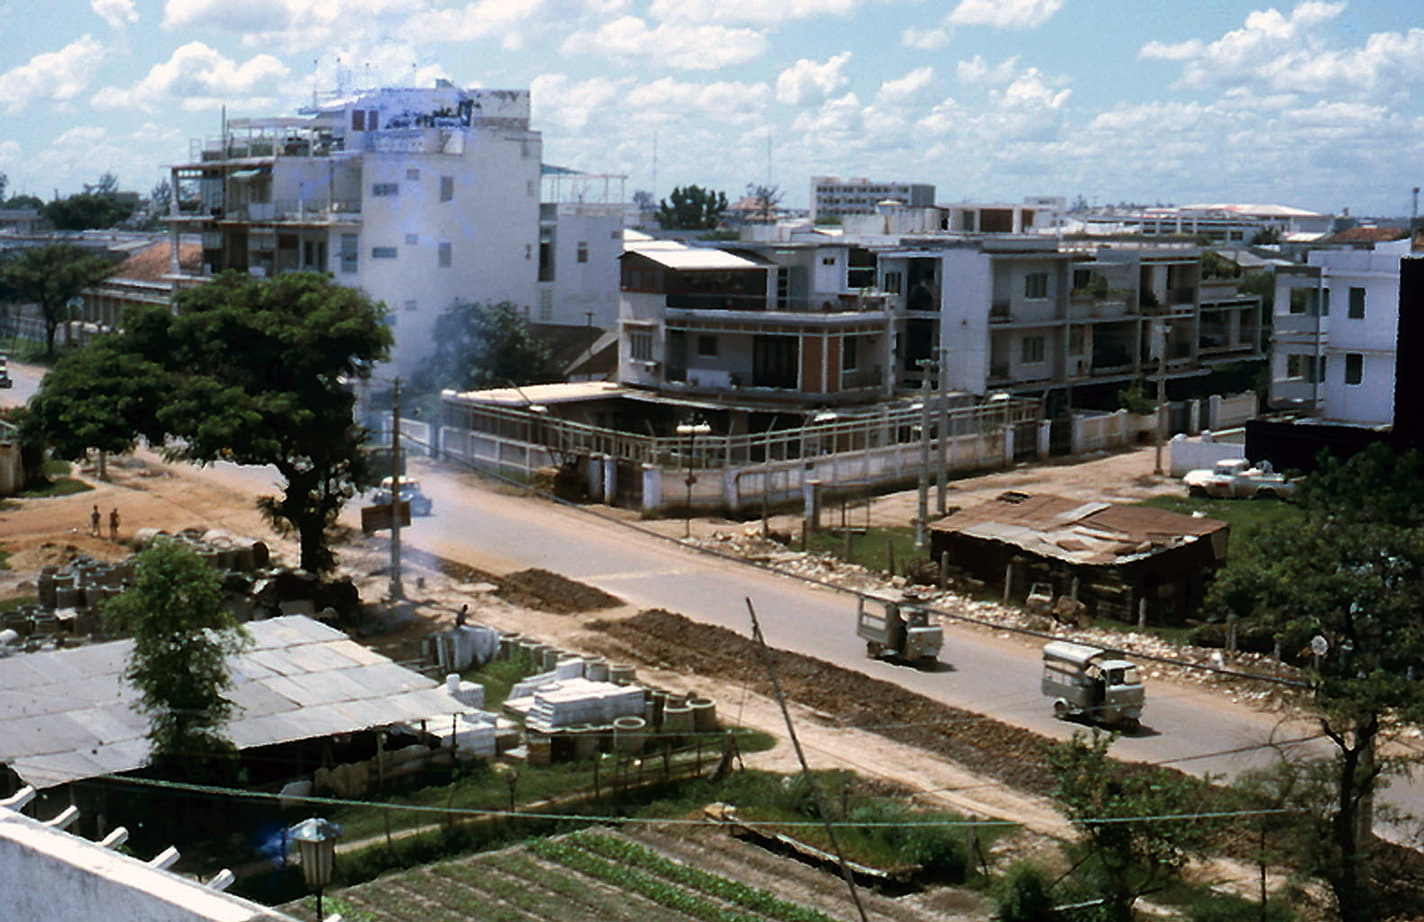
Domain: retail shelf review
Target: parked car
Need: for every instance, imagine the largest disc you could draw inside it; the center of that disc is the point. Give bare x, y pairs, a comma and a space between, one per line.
5, 372
420, 504
1236, 478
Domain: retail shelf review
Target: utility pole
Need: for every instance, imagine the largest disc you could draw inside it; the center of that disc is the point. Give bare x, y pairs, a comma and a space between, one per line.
397, 592
1163, 328
924, 509
942, 457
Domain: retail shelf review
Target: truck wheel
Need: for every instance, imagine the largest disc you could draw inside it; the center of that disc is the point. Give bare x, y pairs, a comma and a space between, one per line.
1060, 709
872, 649
1131, 725
1198, 492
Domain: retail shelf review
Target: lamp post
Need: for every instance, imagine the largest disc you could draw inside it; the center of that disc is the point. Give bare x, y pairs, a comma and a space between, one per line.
692, 431
316, 841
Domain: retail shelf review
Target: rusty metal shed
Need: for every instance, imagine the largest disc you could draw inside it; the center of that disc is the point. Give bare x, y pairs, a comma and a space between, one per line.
1124, 560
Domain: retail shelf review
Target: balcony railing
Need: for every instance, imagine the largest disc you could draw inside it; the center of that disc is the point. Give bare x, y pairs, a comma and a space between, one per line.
1001, 310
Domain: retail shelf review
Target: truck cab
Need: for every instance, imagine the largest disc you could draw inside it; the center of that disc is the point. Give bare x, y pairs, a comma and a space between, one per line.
1091, 683
893, 630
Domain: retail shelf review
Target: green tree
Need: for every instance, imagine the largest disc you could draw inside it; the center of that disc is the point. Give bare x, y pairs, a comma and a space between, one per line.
488, 345
49, 277
1131, 842
766, 200
254, 371
182, 638
1352, 573
692, 208
99, 398
86, 210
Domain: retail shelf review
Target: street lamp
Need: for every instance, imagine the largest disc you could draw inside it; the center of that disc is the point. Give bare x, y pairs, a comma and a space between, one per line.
316, 840
692, 431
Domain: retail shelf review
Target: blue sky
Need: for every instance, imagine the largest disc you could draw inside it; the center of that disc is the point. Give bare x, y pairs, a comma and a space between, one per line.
1305, 104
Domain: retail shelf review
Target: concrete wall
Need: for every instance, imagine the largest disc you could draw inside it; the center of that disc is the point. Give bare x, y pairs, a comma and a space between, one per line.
1189, 454
49, 874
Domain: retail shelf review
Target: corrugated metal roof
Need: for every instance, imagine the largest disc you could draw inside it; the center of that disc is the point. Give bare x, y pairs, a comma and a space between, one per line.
66, 715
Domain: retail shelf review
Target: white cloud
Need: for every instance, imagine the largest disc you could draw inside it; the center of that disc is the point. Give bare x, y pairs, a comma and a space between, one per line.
716, 101
569, 104
687, 47
1289, 53
747, 12
836, 121
55, 76
807, 81
925, 39
506, 19
1003, 14
906, 88
1030, 89
292, 24
976, 70
198, 77
116, 13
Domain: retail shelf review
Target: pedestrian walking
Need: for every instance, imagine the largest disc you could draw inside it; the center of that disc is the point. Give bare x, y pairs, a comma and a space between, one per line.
114, 524
94, 520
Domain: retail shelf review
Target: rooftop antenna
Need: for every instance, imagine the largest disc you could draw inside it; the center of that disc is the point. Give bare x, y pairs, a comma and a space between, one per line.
1414, 210
315, 62
769, 133
655, 166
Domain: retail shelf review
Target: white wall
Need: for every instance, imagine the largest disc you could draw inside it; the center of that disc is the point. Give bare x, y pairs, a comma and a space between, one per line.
964, 318
588, 286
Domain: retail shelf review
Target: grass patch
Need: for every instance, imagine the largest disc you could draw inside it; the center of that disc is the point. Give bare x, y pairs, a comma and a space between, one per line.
871, 548
1247, 517
501, 675
59, 486
1200, 903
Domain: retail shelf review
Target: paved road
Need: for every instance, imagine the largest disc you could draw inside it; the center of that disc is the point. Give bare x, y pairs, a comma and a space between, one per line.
985, 671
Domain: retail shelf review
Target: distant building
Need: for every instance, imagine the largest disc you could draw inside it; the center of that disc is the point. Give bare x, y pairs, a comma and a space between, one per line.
833, 197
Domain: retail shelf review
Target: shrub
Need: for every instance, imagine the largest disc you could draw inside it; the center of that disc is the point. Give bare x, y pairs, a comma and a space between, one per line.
1022, 894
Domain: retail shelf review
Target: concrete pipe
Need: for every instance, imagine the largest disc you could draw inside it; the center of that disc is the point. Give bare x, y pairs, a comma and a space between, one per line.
704, 715
540, 749
595, 669
622, 673
629, 734
677, 719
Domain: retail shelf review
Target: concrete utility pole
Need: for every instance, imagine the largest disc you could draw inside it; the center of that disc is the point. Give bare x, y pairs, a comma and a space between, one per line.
942, 456
924, 509
397, 592
1163, 328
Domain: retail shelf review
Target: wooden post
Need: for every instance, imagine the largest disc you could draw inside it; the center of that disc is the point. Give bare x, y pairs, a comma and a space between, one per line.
943, 569
890, 555
1008, 581
1142, 613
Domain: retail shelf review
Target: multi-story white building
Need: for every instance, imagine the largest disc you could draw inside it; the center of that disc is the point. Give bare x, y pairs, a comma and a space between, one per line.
419, 197
1334, 334
832, 196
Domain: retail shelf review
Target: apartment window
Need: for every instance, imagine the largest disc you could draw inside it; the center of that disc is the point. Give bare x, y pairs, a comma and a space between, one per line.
447, 188
350, 252
358, 119
1354, 366
1305, 367
412, 240
546, 305
707, 345
583, 251
443, 249
412, 173
1295, 366
1076, 340
410, 306
1036, 285
1357, 305
385, 189
1032, 353
383, 252
529, 188
640, 347
828, 260
894, 282
849, 359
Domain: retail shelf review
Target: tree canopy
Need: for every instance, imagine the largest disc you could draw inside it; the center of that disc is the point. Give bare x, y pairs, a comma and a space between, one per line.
48, 277
488, 345
254, 371
1126, 855
1352, 573
182, 635
692, 208
86, 210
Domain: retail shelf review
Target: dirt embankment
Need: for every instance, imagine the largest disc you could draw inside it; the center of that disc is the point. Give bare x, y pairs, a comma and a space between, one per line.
671, 641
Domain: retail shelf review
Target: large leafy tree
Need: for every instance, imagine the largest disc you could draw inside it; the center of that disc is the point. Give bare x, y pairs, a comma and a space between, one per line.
49, 277
1353, 574
182, 638
86, 210
488, 345
249, 370
692, 208
1132, 841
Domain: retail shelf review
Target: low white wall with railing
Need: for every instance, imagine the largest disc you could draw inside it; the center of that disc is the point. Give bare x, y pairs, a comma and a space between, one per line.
1191, 454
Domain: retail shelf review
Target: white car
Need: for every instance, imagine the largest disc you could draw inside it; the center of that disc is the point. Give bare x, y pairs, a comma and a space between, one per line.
420, 504
1235, 478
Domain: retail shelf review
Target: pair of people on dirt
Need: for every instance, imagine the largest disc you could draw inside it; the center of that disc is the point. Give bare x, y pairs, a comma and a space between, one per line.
95, 519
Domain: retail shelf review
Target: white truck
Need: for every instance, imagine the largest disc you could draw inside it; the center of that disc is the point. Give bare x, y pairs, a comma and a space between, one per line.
1090, 682
1236, 478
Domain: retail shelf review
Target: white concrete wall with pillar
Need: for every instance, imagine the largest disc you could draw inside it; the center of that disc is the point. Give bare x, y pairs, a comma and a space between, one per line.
811, 497
1045, 439
1009, 445
652, 488
593, 478
1194, 424
610, 478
